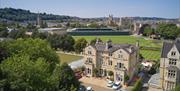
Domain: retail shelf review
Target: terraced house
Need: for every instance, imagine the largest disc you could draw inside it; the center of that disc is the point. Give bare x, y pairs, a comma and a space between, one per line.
170, 65
121, 59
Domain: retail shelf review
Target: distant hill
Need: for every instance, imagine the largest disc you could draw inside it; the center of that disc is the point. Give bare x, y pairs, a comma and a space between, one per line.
21, 15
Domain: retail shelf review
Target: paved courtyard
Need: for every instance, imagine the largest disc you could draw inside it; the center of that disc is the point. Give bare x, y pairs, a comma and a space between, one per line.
95, 81
97, 88
98, 84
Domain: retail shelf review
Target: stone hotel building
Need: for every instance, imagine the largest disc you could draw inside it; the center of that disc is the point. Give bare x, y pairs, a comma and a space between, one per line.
121, 59
170, 65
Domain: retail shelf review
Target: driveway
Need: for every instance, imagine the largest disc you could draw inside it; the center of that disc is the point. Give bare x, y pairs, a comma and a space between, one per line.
96, 88
76, 64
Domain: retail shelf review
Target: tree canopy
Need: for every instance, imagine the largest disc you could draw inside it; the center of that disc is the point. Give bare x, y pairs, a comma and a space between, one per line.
35, 48
168, 31
80, 44
33, 66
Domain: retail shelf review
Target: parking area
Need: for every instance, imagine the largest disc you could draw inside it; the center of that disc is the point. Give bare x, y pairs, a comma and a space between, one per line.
98, 84
95, 81
96, 88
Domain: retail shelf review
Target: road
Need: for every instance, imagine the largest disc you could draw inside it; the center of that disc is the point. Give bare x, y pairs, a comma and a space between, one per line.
96, 88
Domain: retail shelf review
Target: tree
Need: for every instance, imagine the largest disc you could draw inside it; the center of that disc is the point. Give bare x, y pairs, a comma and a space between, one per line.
3, 53
95, 72
168, 31
80, 44
67, 79
177, 88
35, 48
138, 85
93, 42
15, 34
3, 30
68, 43
148, 31
64, 42
93, 25
34, 66
22, 73
110, 73
126, 78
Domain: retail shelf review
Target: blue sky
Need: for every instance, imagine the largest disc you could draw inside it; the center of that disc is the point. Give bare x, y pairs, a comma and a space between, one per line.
100, 8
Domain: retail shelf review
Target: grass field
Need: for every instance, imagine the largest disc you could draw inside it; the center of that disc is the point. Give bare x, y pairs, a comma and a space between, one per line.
68, 58
147, 54
151, 55
125, 39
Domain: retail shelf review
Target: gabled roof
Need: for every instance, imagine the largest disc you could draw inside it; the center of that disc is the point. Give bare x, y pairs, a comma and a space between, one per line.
167, 46
114, 47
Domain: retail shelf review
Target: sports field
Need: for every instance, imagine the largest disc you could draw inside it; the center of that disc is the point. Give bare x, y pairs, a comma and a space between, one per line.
147, 54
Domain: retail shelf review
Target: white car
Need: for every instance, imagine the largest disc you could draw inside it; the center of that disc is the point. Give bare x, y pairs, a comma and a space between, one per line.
110, 83
89, 89
116, 85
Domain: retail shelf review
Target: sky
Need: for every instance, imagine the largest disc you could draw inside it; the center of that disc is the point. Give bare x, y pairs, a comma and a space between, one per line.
100, 8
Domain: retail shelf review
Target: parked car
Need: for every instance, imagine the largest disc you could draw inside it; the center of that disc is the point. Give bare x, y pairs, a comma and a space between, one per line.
110, 83
89, 89
116, 85
82, 88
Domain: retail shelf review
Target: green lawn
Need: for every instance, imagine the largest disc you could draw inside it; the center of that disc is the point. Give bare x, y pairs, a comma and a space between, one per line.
147, 54
151, 55
125, 39
68, 58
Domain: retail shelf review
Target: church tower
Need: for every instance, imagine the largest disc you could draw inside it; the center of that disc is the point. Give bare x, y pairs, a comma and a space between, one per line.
39, 21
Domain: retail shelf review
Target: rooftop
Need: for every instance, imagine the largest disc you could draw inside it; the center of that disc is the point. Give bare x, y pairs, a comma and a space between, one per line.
154, 81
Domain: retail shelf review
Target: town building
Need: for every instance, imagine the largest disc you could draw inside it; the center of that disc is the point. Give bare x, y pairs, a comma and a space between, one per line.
121, 59
170, 65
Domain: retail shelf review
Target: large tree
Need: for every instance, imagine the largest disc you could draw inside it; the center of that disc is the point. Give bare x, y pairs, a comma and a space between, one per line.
64, 42
3, 54
148, 31
3, 30
29, 68
15, 34
35, 48
20, 73
168, 31
67, 79
80, 44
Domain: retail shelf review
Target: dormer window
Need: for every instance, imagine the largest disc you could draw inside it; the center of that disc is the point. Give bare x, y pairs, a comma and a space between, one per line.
173, 53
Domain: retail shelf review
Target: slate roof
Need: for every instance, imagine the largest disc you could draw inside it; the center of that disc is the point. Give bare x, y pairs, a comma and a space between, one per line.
167, 46
114, 47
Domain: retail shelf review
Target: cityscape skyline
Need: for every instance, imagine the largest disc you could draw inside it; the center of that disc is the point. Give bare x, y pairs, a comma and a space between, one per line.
100, 8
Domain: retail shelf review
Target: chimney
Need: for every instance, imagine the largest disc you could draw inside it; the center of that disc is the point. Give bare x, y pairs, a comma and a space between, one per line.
97, 41
108, 44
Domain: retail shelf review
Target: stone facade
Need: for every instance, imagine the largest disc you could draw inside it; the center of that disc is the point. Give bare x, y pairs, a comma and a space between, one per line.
121, 59
170, 65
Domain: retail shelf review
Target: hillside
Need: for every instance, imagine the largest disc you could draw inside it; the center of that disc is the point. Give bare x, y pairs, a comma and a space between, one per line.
21, 15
